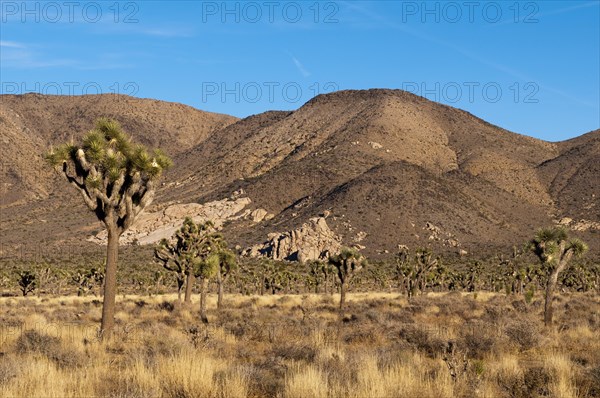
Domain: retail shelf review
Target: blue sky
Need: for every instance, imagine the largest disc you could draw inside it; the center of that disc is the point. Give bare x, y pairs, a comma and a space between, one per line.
532, 67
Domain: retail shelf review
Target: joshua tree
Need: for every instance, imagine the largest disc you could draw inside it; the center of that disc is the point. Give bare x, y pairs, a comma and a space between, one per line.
206, 262
178, 254
348, 262
403, 269
27, 282
227, 264
425, 265
474, 272
85, 280
413, 274
116, 180
166, 253
274, 275
555, 249
318, 271
205, 268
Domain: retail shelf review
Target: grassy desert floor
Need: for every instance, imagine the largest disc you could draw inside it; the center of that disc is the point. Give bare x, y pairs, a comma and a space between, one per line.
437, 345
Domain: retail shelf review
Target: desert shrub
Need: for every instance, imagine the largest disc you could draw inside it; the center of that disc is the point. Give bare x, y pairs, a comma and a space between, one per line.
166, 306
295, 352
589, 382
423, 340
478, 340
536, 381
32, 341
9, 369
266, 377
525, 333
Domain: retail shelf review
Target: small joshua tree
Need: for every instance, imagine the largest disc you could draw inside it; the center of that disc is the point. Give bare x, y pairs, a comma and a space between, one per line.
555, 249
116, 180
27, 282
227, 264
413, 274
178, 254
274, 275
318, 272
85, 280
347, 263
206, 269
206, 263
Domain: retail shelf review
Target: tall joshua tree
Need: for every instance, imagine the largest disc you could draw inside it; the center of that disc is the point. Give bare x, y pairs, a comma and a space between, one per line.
347, 263
555, 249
116, 180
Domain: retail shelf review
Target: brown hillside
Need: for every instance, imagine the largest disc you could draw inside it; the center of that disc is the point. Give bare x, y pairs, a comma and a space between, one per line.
31, 122
390, 167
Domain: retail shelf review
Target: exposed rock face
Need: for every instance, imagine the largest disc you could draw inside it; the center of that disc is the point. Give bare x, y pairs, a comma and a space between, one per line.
436, 234
151, 227
314, 240
581, 225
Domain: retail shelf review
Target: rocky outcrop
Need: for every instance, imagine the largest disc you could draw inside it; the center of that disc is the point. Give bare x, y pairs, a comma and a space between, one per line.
314, 240
151, 227
581, 225
436, 234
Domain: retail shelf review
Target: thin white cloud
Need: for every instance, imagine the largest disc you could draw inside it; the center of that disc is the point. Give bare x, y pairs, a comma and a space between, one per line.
16, 55
300, 67
11, 44
166, 32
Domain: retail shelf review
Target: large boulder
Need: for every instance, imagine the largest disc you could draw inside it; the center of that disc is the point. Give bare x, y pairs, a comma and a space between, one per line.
314, 240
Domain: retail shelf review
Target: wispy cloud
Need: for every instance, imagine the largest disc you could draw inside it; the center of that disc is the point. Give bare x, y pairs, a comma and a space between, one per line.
300, 67
17, 55
166, 32
11, 44
20, 55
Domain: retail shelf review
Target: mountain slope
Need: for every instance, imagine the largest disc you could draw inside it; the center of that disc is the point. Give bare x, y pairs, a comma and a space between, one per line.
387, 166
32, 122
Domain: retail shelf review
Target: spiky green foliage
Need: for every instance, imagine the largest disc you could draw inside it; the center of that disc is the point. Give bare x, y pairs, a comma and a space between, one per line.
114, 176
415, 273
555, 249
551, 245
227, 261
185, 253
347, 263
86, 280
27, 282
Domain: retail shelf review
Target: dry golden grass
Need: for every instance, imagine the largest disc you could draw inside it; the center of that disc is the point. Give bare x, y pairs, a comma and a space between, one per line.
438, 345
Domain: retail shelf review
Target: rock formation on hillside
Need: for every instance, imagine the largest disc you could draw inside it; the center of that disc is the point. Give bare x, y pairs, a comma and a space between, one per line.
151, 227
314, 240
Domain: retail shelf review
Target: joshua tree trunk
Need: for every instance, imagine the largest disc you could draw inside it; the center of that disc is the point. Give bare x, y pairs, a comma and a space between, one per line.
342, 295
203, 290
179, 286
189, 285
550, 287
110, 282
220, 282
